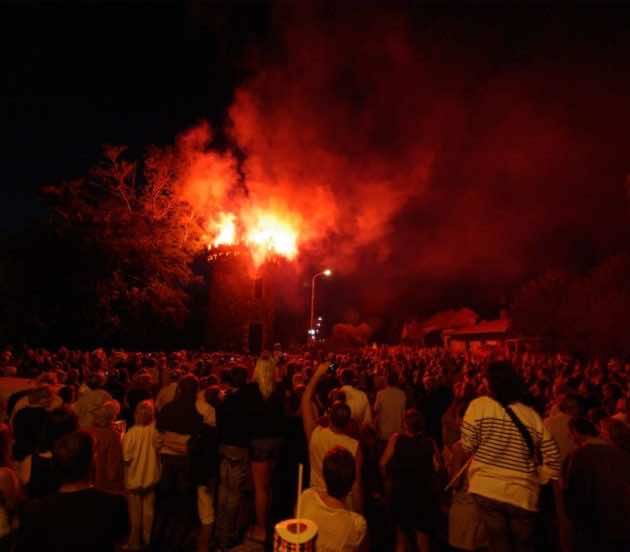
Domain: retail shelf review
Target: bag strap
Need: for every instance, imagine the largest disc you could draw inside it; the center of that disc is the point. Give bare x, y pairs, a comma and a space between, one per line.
524, 433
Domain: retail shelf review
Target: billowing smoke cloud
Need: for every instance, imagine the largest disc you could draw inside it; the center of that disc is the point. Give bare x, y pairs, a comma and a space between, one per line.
434, 168
206, 178
327, 136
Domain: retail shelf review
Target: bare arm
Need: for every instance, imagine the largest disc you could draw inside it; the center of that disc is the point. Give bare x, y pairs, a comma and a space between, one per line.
308, 416
357, 490
377, 404
388, 453
9, 488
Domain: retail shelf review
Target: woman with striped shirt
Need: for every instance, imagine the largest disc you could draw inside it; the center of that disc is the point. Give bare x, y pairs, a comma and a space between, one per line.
513, 454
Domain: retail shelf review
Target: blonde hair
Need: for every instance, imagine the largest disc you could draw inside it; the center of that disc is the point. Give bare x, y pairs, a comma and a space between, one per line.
106, 413
145, 413
264, 375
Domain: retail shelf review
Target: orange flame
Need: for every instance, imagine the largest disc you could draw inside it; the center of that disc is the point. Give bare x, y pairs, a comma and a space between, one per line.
224, 229
269, 234
265, 233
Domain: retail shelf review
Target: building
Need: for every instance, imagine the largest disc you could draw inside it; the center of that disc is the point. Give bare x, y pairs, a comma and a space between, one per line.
430, 331
241, 301
482, 335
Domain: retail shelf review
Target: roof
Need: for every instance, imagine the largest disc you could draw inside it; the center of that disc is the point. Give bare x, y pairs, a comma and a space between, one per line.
444, 320
499, 326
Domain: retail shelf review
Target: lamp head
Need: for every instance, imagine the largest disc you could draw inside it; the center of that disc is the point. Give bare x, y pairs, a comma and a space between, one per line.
327, 272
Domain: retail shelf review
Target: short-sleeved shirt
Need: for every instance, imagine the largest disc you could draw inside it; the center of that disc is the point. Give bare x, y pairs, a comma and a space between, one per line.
88, 519
338, 529
324, 439
359, 405
390, 407
141, 457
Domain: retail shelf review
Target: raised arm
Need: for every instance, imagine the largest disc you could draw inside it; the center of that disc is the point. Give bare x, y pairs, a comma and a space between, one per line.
308, 416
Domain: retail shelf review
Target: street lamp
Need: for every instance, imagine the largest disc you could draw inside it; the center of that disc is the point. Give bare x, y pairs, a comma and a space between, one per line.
311, 329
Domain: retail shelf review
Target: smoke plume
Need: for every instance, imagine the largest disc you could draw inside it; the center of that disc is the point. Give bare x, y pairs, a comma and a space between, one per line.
429, 162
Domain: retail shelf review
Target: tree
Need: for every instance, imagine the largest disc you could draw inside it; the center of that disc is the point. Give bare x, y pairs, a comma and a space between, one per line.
537, 309
132, 241
587, 314
598, 307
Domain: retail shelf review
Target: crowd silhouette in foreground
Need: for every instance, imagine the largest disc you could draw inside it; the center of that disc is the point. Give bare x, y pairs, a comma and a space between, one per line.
403, 448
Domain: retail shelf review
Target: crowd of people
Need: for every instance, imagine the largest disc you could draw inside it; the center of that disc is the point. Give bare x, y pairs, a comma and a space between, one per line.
403, 448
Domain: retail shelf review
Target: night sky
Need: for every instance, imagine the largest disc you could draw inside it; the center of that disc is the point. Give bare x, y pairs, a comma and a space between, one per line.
465, 148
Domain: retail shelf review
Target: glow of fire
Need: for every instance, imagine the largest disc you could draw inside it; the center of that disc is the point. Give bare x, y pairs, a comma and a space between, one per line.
265, 233
269, 234
224, 229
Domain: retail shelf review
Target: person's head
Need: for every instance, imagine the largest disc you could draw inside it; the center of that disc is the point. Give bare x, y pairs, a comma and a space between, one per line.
414, 422
145, 413
106, 414
47, 378
348, 376
339, 472
585, 389
72, 455
96, 380
67, 393
392, 379
340, 415
621, 407
597, 414
58, 423
582, 429
616, 432
611, 392
503, 383
238, 376
187, 389
72, 376
570, 405
213, 395
225, 376
142, 379
41, 396
336, 395
264, 375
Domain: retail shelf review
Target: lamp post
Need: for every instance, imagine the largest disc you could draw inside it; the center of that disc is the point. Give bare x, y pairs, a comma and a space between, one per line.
311, 328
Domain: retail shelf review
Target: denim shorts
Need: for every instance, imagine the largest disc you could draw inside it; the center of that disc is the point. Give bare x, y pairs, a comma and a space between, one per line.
266, 450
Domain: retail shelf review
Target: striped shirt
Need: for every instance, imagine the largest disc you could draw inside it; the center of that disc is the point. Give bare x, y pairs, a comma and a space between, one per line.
502, 468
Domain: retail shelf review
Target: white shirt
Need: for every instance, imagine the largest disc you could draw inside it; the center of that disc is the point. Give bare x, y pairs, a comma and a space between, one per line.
502, 468
140, 457
390, 411
324, 439
359, 405
338, 529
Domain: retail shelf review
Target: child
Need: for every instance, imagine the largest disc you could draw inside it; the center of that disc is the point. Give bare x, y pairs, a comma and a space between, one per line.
108, 470
142, 472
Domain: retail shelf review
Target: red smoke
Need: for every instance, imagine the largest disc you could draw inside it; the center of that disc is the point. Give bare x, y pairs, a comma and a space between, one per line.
418, 159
